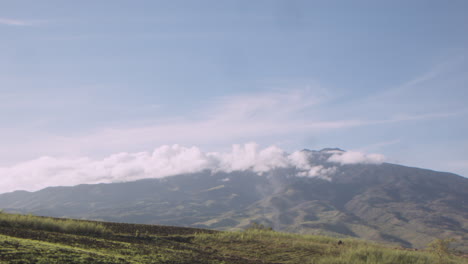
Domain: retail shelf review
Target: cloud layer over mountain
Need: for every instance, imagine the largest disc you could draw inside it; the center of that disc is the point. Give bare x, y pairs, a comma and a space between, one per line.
168, 161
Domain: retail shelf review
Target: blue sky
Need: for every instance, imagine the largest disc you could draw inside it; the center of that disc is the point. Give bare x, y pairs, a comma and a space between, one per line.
93, 78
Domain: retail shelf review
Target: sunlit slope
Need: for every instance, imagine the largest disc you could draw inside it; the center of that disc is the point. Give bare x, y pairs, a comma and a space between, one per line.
29, 239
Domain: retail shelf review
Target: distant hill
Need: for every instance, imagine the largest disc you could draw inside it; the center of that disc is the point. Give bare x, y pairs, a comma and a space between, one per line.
381, 202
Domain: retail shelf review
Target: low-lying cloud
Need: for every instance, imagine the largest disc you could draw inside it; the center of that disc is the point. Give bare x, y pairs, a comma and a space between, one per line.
353, 157
166, 161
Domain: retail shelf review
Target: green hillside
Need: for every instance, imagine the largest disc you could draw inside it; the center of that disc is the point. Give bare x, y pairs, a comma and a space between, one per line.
32, 239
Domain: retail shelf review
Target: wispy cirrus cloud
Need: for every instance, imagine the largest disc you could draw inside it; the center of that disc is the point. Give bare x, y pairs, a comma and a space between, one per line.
420, 83
261, 117
18, 22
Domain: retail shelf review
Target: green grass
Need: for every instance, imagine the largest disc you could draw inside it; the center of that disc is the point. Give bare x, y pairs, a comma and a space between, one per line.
31, 239
270, 246
52, 224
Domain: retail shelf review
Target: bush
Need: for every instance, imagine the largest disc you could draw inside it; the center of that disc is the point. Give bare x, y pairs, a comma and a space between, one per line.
257, 226
52, 224
441, 248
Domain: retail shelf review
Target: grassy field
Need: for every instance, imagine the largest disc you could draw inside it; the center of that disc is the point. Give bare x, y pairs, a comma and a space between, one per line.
31, 239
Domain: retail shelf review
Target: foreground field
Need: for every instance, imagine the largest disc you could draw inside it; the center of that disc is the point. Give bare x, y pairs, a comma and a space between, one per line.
30, 239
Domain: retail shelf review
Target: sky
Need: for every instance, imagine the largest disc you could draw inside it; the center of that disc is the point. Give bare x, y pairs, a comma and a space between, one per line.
91, 79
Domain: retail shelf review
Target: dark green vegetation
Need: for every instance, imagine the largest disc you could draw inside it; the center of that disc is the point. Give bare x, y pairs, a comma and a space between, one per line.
389, 203
30, 242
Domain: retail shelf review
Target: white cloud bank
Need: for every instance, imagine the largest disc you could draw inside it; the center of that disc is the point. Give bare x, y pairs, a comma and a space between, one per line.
162, 162
354, 157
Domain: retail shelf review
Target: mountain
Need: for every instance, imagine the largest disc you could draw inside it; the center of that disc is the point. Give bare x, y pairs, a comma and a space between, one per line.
381, 202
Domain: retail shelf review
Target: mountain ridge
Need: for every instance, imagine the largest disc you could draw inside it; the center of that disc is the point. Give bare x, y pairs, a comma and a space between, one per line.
382, 202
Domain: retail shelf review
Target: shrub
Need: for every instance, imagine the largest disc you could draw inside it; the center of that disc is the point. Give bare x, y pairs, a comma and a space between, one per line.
257, 226
441, 248
52, 224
